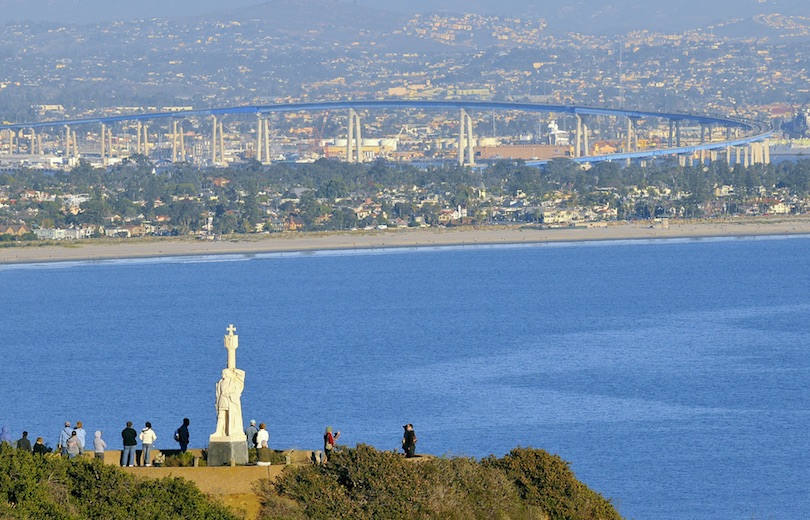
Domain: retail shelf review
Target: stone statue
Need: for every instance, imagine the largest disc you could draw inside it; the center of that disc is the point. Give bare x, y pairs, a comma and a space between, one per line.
229, 393
227, 445
229, 404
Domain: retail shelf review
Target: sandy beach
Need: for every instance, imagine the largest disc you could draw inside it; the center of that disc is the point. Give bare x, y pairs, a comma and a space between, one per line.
154, 247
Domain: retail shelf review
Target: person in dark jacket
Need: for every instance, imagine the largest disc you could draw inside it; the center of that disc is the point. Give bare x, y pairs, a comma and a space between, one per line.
130, 438
409, 441
40, 448
24, 443
182, 435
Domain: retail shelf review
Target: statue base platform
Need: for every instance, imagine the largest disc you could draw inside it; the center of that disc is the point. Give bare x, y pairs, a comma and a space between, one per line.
223, 450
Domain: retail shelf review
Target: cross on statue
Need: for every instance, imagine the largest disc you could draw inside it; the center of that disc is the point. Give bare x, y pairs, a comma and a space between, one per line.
231, 344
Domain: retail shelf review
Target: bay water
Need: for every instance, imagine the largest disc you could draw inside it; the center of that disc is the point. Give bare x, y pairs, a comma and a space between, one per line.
673, 375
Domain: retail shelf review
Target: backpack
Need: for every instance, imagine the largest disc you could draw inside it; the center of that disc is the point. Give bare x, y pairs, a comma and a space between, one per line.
255, 438
177, 435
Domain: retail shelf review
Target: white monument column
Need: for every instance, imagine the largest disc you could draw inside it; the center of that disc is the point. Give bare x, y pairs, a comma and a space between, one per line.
228, 444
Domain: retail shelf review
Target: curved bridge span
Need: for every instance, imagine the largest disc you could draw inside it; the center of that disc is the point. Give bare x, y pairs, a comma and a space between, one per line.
747, 136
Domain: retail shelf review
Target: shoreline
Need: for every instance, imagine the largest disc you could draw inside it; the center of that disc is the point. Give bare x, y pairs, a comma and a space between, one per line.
154, 247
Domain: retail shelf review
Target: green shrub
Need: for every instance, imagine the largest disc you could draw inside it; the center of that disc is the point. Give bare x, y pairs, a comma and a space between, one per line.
364, 483
546, 481
180, 460
33, 486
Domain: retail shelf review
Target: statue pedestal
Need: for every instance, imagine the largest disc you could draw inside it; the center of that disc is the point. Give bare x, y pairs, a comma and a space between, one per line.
221, 450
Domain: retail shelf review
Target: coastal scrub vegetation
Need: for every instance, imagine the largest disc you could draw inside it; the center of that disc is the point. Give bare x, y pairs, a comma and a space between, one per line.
364, 483
35, 486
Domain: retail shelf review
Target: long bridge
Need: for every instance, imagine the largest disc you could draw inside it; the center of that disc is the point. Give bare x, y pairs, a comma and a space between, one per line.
744, 141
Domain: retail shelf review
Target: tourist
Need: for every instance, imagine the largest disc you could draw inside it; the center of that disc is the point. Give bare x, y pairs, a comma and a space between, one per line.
24, 443
262, 435
5, 436
81, 434
130, 438
73, 446
182, 436
250, 433
64, 435
148, 438
409, 441
264, 455
99, 446
40, 448
329, 443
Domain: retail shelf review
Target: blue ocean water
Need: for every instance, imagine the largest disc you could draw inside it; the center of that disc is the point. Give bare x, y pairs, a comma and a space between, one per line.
673, 375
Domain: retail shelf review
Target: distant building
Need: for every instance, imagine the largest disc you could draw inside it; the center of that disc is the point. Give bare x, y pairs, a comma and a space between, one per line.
528, 152
16, 230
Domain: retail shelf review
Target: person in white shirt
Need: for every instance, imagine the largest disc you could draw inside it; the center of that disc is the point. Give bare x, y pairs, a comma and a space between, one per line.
148, 438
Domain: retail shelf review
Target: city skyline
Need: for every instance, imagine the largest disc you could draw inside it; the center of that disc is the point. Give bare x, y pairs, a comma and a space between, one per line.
585, 15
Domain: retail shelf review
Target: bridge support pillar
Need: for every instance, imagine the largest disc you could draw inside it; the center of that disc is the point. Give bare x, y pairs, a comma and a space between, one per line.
678, 133
146, 140
766, 147
71, 143
262, 139
629, 134
354, 144
143, 139
259, 137
465, 140
174, 141
182, 141
103, 143
586, 147
267, 140
217, 151
578, 138
178, 148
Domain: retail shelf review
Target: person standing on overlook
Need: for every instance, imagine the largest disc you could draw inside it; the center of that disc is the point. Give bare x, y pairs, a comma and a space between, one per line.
250, 433
329, 443
98, 446
40, 448
5, 436
64, 435
148, 438
73, 447
182, 435
24, 443
81, 435
130, 438
262, 435
409, 441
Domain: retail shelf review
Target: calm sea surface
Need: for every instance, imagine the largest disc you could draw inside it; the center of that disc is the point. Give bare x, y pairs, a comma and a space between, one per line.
672, 375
